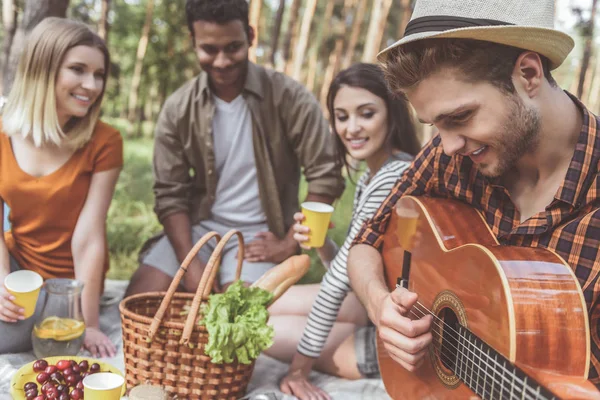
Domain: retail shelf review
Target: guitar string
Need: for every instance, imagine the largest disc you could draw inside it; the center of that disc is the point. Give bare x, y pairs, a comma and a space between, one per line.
500, 389
442, 349
522, 383
439, 350
524, 387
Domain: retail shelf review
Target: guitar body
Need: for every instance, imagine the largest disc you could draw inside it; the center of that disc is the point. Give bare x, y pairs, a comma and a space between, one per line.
523, 303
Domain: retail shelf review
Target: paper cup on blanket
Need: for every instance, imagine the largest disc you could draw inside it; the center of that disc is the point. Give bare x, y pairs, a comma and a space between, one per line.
316, 217
25, 286
103, 386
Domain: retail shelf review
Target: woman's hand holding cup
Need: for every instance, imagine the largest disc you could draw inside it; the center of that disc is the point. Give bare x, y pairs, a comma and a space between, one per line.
9, 311
19, 293
300, 231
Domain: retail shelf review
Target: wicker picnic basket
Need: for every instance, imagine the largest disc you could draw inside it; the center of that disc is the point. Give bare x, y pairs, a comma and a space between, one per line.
164, 345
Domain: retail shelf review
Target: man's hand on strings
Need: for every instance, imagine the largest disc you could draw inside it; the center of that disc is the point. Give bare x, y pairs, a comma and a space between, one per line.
405, 328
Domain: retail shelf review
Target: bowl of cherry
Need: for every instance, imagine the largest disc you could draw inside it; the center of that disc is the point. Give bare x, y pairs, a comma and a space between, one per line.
55, 378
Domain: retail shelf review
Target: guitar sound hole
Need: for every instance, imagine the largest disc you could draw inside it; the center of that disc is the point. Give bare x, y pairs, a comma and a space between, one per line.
447, 340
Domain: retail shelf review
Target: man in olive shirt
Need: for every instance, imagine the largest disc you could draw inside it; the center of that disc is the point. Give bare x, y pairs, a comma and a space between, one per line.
229, 148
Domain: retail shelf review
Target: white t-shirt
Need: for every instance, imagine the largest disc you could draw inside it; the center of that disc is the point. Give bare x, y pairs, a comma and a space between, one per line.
237, 200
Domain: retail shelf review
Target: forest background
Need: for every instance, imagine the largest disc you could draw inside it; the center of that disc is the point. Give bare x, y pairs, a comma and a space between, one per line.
310, 40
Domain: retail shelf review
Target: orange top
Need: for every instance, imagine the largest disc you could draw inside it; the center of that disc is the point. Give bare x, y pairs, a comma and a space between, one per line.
44, 210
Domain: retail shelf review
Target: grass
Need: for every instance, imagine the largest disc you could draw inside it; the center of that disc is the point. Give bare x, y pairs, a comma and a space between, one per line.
131, 219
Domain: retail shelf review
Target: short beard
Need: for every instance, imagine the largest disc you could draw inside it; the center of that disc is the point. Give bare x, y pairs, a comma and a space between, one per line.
520, 135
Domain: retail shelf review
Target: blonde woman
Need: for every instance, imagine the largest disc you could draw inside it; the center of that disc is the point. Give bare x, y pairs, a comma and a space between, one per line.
58, 169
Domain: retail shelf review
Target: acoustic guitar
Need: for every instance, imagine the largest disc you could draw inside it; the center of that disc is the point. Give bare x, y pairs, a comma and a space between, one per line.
508, 322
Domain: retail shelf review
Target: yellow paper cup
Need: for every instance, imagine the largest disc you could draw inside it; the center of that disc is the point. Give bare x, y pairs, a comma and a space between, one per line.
316, 217
103, 386
25, 286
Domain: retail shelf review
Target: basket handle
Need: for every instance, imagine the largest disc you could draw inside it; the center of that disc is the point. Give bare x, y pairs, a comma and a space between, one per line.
158, 317
208, 278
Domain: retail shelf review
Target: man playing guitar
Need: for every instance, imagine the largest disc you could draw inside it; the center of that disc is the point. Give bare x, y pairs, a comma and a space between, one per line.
511, 143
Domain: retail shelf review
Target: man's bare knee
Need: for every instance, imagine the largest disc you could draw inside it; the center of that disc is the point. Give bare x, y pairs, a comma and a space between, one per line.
148, 279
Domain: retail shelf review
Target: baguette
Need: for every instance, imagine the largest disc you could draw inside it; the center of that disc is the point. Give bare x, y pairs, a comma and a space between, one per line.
279, 278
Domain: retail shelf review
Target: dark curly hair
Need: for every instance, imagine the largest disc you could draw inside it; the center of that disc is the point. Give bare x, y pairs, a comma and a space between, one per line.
219, 11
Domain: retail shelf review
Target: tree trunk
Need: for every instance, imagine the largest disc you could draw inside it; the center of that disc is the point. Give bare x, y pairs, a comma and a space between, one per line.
335, 58
139, 63
332, 69
312, 71
276, 31
9, 20
291, 31
309, 12
315, 56
325, 26
379, 14
595, 89
587, 50
407, 9
255, 6
356, 25
34, 11
589, 78
103, 23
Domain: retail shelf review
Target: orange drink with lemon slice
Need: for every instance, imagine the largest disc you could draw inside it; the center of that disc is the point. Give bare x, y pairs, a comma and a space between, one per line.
60, 329
58, 336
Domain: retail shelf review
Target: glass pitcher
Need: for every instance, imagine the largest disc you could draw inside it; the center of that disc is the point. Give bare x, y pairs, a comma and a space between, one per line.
60, 329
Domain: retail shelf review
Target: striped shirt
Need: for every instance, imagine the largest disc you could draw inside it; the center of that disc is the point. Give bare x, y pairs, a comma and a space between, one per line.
570, 224
369, 195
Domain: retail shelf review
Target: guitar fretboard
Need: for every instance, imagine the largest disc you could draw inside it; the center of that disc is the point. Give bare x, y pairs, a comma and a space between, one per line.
486, 372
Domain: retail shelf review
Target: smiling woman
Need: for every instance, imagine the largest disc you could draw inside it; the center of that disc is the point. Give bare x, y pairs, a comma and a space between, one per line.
79, 82
58, 159
370, 125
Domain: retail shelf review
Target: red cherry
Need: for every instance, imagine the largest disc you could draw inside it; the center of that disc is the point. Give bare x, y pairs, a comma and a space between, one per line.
79, 385
50, 369
57, 377
71, 380
84, 366
68, 371
95, 368
63, 396
29, 386
45, 387
31, 394
42, 377
52, 393
40, 365
63, 364
76, 394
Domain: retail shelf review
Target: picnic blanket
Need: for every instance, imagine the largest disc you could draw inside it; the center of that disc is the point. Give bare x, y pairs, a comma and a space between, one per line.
264, 382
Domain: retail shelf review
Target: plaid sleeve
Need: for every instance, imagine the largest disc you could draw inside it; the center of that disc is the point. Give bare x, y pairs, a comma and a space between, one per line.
420, 178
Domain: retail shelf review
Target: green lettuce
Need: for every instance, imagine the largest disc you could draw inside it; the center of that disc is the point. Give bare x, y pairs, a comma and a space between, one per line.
237, 324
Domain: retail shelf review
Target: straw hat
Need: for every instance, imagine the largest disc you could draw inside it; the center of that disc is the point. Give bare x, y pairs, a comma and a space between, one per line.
526, 24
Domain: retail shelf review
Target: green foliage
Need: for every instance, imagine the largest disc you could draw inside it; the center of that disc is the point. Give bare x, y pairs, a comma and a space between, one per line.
131, 219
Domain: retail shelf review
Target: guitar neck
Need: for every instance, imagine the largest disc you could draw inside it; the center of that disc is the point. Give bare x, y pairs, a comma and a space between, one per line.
486, 372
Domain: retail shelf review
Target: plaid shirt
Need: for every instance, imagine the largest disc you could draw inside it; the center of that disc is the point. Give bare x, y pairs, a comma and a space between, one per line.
570, 225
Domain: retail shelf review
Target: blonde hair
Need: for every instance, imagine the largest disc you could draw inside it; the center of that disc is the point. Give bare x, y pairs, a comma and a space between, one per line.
30, 110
